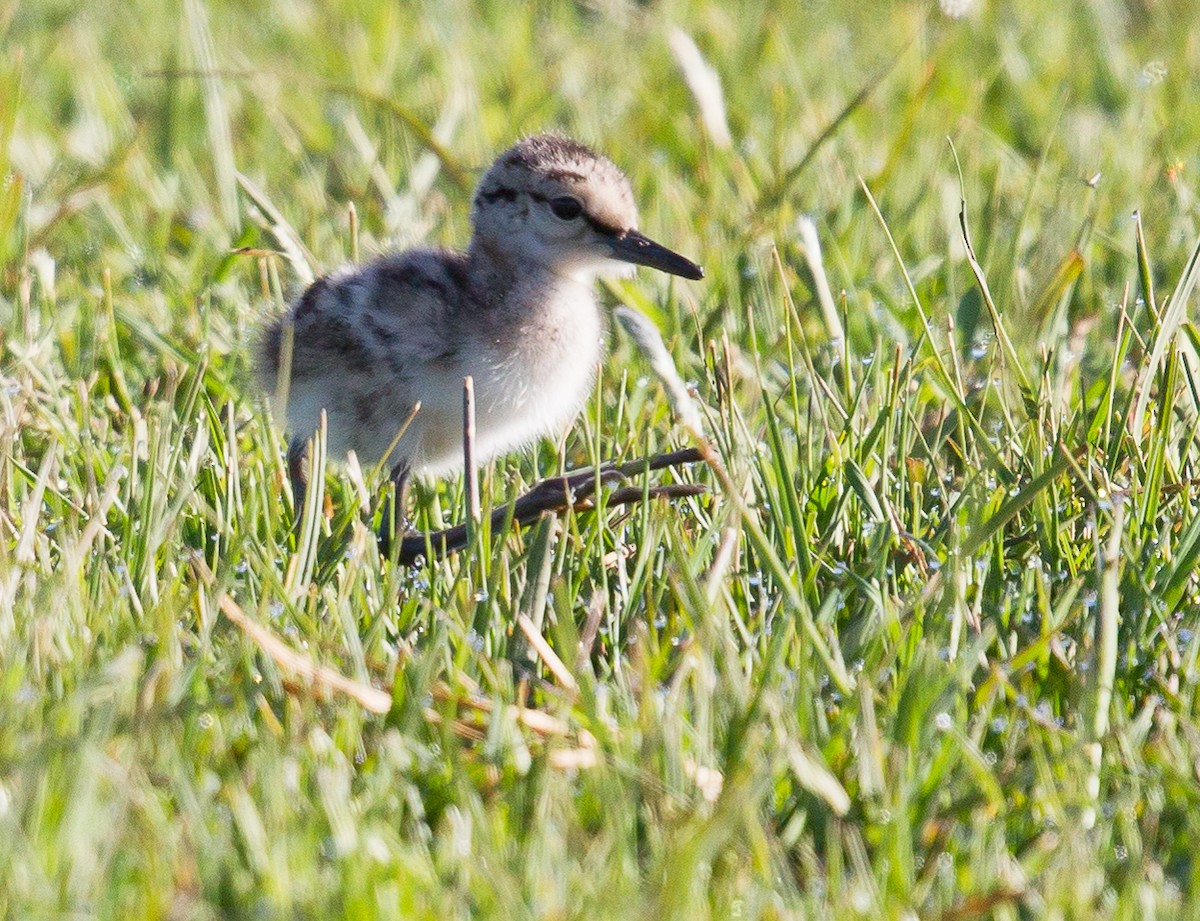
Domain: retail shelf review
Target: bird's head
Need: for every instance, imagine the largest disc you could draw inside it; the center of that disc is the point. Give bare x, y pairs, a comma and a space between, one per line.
554, 201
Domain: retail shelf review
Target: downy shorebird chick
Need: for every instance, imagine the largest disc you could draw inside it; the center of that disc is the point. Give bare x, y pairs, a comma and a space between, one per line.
517, 312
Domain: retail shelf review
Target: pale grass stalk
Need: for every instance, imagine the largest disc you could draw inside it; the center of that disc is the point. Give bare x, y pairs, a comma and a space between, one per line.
811, 245
547, 654
705, 83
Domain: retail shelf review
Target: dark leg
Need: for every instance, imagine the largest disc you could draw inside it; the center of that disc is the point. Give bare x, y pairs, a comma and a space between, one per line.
395, 519
400, 481
297, 461
557, 494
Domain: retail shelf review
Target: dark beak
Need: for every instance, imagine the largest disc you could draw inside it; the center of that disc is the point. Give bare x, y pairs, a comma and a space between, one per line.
634, 246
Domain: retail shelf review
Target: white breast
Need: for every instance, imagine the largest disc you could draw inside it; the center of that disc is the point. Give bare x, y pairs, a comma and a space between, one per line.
527, 385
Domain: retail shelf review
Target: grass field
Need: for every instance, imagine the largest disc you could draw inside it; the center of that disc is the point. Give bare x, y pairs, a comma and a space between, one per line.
929, 651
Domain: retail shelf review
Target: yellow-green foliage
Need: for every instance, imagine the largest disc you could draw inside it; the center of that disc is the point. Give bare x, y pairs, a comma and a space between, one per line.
943, 663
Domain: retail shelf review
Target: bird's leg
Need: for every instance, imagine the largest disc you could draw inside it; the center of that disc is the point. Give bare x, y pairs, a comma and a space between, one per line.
395, 519
297, 464
556, 494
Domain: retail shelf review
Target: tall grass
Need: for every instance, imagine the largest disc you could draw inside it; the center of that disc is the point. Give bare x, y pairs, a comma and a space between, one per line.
927, 649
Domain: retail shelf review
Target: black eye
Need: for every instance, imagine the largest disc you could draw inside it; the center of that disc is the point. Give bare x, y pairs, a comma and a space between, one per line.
567, 208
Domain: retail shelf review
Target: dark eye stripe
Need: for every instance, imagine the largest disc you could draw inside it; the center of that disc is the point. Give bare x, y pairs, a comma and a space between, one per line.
503, 193
601, 227
500, 193
596, 225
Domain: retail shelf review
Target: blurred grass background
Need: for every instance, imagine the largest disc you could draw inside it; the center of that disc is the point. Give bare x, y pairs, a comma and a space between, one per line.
943, 667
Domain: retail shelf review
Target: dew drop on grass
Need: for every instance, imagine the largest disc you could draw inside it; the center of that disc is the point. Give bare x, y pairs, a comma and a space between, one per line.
1152, 73
955, 9
481, 595
475, 641
660, 621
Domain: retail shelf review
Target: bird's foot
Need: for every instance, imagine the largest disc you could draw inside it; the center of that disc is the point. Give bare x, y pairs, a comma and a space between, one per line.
576, 491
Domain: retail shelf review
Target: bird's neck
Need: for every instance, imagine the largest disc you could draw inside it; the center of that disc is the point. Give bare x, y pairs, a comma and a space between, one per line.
534, 316
504, 280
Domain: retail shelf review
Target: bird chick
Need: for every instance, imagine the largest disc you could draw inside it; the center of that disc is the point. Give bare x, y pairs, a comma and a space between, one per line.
517, 312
